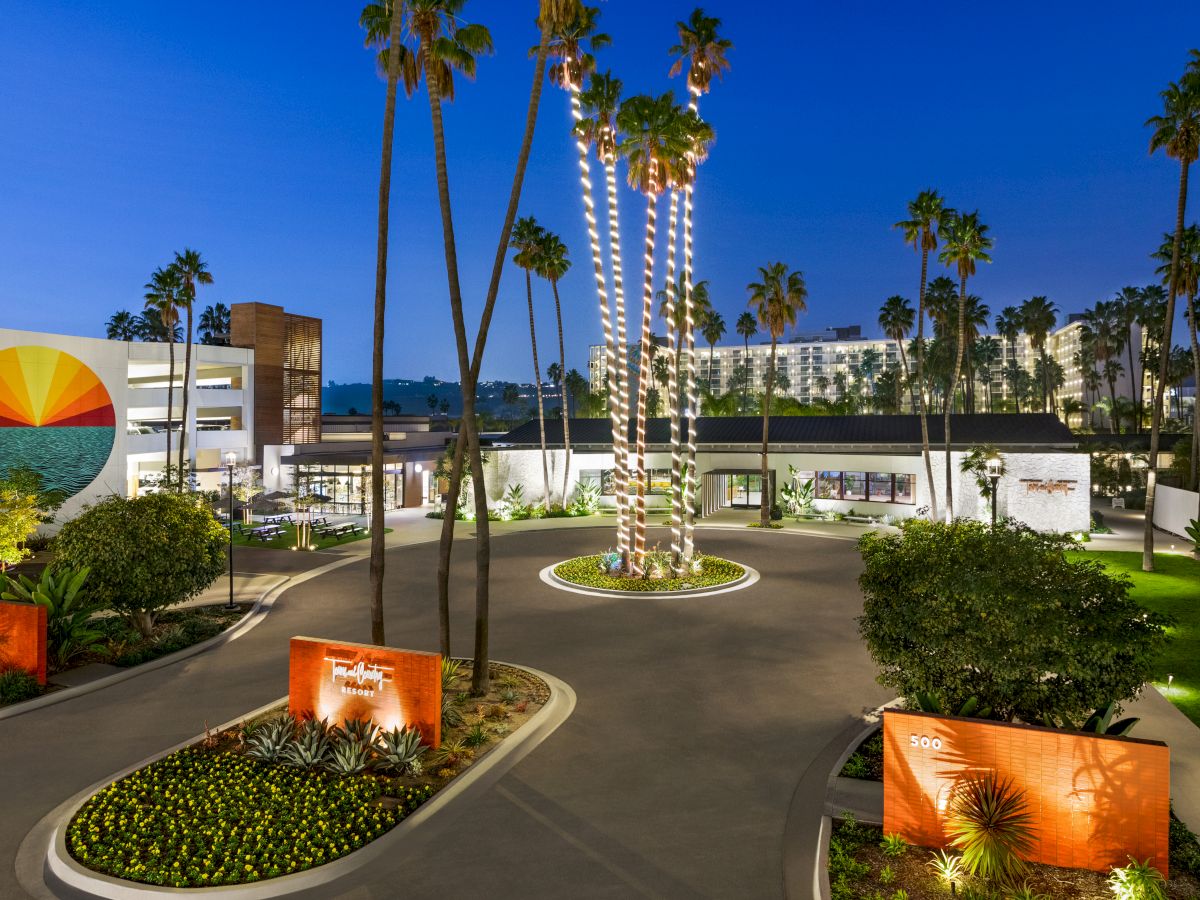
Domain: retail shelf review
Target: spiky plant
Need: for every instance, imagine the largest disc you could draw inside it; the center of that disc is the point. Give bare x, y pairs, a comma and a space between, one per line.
268, 741
355, 731
348, 758
946, 866
451, 713
989, 821
450, 669
399, 750
310, 749
1137, 881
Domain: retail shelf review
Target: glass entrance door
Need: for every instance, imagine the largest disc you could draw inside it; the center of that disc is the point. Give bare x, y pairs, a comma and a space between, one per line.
744, 491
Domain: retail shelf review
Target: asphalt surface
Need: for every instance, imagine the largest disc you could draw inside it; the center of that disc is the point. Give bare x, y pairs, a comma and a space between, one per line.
673, 777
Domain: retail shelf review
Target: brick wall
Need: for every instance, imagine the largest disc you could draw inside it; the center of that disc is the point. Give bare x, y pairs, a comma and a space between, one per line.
396, 687
1096, 800
23, 638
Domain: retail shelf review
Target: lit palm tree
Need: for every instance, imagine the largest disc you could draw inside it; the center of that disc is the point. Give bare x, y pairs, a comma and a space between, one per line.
194, 271
896, 319
553, 262
163, 291
776, 301
713, 329
527, 239
1038, 316
1177, 132
122, 326
927, 214
965, 243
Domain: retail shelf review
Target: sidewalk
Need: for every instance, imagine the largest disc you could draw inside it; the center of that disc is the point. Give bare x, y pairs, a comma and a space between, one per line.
1128, 527
1162, 721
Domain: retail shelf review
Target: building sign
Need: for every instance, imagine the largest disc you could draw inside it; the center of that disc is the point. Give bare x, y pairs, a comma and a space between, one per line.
1096, 800
23, 638
338, 680
1049, 486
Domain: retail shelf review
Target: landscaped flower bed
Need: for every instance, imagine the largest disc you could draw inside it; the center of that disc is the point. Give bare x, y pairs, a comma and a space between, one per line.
272, 797
588, 571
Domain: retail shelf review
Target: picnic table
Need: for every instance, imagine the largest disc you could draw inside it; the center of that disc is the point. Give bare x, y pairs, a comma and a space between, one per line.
1118, 502
266, 532
278, 520
338, 531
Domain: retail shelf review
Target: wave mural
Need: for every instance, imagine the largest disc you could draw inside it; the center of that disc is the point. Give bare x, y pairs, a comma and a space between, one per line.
56, 417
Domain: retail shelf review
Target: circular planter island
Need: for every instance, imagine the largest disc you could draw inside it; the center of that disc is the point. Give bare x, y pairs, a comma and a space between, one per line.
586, 575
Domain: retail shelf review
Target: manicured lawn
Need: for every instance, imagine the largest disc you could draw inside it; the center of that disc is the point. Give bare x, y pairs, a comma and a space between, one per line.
287, 540
1173, 588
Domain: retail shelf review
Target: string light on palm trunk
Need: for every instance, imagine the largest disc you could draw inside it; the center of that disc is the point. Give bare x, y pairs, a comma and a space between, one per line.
621, 464
673, 389
637, 563
693, 398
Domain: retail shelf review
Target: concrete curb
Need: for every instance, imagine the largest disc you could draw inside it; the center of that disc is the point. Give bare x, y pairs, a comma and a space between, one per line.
749, 576
46, 843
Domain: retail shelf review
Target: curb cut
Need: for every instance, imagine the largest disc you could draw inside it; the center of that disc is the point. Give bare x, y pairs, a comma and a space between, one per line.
749, 577
44, 864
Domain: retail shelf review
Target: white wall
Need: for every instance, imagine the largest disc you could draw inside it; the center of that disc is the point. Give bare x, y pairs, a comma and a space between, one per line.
1174, 508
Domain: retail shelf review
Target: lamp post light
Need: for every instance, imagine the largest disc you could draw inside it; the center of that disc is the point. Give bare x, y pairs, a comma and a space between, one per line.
230, 460
995, 468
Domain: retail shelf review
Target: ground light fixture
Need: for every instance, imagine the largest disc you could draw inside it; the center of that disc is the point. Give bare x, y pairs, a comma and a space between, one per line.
995, 468
230, 461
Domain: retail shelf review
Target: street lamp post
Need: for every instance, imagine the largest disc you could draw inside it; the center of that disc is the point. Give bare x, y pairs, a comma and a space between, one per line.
995, 468
230, 460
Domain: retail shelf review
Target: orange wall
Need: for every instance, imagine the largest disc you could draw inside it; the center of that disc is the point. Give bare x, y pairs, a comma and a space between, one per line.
1096, 800
406, 689
23, 637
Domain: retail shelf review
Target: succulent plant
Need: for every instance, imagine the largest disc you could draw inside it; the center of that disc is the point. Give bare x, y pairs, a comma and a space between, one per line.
268, 741
357, 731
310, 749
348, 758
399, 750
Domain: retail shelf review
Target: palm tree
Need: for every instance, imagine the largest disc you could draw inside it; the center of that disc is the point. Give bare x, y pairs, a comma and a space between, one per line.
896, 318
162, 301
674, 315
927, 213
1102, 335
713, 329
1189, 286
1038, 316
214, 325
702, 51
966, 242
985, 353
868, 363
527, 239
747, 327
193, 270
553, 262
1129, 302
1176, 131
1072, 407
597, 127
776, 300
122, 326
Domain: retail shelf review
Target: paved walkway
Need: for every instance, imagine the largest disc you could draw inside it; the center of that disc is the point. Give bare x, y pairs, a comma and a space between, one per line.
1128, 527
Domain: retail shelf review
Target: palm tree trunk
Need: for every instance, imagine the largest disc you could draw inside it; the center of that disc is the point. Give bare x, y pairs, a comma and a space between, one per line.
562, 393
1114, 423
170, 391
621, 462
537, 386
644, 378
381, 252
187, 380
907, 379
673, 392
933, 507
958, 362
1194, 461
589, 213
689, 357
1137, 399
446, 542
745, 370
764, 500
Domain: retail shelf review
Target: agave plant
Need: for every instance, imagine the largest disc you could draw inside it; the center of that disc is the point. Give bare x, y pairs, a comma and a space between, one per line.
399, 751
989, 821
310, 749
1137, 881
348, 758
267, 742
355, 731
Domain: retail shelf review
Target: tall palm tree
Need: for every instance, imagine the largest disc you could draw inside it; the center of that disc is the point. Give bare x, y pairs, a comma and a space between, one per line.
974, 320
1129, 302
965, 243
553, 262
713, 329
163, 292
896, 319
703, 52
927, 213
597, 127
986, 352
122, 326
1177, 132
747, 327
1189, 284
673, 314
1038, 316
527, 239
1101, 336
194, 271
776, 300
213, 325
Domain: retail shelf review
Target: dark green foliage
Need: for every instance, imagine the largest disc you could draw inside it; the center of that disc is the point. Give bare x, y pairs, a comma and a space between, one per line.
990, 822
69, 609
145, 553
844, 870
1185, 849
963, 610
867, 761
175, 631
17, 685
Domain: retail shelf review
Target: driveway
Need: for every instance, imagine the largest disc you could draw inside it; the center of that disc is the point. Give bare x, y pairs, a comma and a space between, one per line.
672, 778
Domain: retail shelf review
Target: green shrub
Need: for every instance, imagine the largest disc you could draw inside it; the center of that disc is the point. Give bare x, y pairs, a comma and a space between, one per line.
1137, 881
69, 629
989, 821
145, 553
1185, 848
867, 761
893, 845
17, 685
964, 610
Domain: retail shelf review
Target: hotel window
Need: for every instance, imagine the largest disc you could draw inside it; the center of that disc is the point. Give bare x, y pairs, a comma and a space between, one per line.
904, 488
829, 485
854, 485
877, 487
659, 481
881, 487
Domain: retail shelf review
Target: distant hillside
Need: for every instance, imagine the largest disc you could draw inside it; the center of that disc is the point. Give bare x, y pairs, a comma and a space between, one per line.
413, 396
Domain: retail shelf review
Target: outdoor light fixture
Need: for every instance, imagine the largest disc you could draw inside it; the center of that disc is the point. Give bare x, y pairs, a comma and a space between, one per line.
230, 461
420, 468
995, 468
1170, 678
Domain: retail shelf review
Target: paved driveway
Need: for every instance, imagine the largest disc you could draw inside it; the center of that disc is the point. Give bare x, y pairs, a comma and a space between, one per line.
672, 778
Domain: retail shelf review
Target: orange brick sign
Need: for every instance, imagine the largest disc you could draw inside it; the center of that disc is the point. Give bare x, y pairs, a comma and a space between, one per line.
1096, 800
23, 638
337, 680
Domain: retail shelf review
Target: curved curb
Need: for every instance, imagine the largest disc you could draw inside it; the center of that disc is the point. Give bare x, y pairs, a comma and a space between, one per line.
749, 577
47, 840
805, 847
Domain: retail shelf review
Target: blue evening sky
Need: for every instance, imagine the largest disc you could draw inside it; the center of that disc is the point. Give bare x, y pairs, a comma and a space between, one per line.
251, 132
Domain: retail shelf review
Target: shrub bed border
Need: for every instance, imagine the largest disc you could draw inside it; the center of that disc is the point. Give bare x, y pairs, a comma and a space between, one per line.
46, 844
749, 576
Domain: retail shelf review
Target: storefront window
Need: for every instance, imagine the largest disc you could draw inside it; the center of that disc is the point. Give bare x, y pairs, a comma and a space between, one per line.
829, 485
854, 485
881, 487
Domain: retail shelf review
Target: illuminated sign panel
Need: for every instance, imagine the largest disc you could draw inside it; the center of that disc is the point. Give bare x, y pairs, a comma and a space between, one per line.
338, 680
1096, 800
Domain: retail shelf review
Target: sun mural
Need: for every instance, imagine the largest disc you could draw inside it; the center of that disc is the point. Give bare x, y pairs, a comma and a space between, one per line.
56, 418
